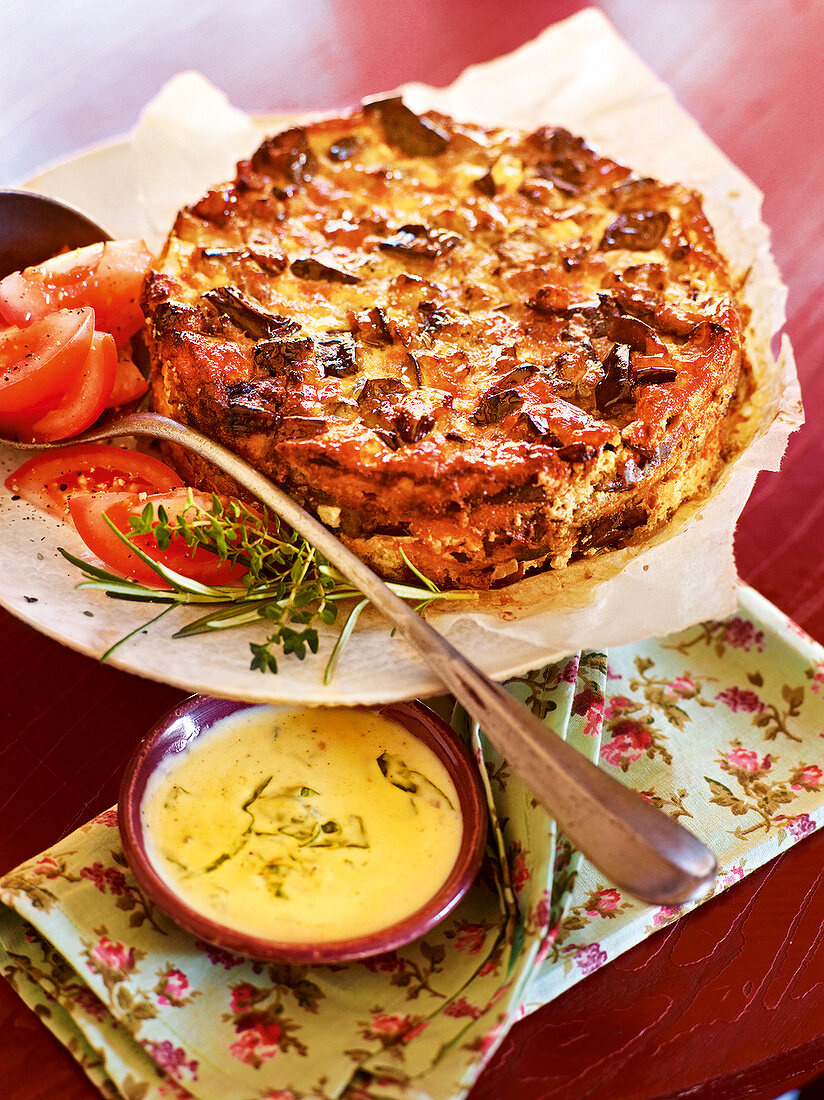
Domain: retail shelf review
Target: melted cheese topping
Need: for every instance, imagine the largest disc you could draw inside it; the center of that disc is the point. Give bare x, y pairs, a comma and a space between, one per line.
304, 826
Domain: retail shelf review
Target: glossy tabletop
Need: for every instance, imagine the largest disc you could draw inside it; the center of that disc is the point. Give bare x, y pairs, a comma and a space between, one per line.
727, 1002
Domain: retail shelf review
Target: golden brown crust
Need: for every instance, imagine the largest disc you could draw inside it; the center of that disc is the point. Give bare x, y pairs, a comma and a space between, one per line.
494, 350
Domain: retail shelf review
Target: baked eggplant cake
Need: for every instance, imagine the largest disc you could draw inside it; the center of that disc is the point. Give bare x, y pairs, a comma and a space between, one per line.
491, 351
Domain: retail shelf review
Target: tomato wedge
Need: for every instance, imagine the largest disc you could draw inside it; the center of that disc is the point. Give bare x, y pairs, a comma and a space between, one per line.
88, 511
51, 479
38, 364
87, 396
106, 276
129, 383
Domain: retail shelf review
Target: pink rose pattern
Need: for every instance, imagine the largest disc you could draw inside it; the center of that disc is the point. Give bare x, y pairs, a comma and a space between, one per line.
108, 955
740, 699
590, 958
817, 678
684, 687
389, 1030
112, 879
171, 1090
806, 777
242, 998
589, 703
800, 826
84, 999
757, 778
109, 879
519, 871
470, 937
666, 914
542, 909
462, 1007
763, 789
628, 741
173, 989
256, 1041
749, 761
48, 867
741, 634
108, 818
733, 875
603, 902
218, 957
264, 1024
172, 1060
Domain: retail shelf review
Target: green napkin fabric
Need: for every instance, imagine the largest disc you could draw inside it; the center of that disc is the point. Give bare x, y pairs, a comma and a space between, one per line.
721, 726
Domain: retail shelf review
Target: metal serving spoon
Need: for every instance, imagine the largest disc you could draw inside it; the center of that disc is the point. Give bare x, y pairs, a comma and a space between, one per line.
638, 847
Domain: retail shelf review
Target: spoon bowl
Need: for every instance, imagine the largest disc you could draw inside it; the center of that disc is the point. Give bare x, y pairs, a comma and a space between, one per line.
34, 228
641, 849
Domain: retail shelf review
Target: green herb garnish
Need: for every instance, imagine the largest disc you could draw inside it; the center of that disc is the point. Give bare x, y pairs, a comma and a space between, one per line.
291, 813
289, 586
288, 814
400, 775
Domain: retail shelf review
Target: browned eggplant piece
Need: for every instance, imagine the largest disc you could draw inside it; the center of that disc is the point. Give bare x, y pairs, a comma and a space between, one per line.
344, 148
566, 161
496, 405
337, 357
421, 240
253, 406
576, 452
413, 135
611, 530
270, 262
376, 389
653, 376
639, 336
485, 184
412, 428
616, 385
286, 158
371, 326
310, 267
637, 230
248, 315
275, 356
517, 377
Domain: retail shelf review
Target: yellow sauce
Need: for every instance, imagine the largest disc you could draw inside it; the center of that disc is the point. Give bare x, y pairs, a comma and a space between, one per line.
304, 826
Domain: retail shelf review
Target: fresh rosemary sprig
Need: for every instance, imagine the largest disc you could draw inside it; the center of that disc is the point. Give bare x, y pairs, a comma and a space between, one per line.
288, 585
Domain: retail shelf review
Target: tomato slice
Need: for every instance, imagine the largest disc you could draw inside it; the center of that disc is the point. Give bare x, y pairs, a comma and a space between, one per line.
86, 398
129, 383
51, 479
38, 364
88, 511
107, 276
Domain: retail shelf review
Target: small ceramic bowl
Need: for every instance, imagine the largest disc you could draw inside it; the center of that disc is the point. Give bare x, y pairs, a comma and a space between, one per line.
181, 726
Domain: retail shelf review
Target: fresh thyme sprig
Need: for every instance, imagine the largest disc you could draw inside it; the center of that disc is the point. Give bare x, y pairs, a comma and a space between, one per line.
288, 585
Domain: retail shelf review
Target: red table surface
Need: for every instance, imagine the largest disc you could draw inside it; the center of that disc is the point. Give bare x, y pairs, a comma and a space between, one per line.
728, 1002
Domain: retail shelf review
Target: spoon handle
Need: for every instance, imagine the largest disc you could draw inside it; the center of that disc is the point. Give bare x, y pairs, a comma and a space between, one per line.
637, 846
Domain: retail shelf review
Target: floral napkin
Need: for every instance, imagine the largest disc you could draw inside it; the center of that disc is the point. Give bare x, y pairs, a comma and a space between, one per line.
720, 725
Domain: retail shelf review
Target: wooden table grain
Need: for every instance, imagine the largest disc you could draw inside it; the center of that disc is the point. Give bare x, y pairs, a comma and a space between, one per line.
727, 1002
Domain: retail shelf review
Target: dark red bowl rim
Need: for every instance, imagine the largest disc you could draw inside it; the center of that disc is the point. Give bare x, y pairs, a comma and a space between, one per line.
183, 724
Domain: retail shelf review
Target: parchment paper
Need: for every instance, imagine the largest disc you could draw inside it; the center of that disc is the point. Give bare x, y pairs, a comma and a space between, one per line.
577, 74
